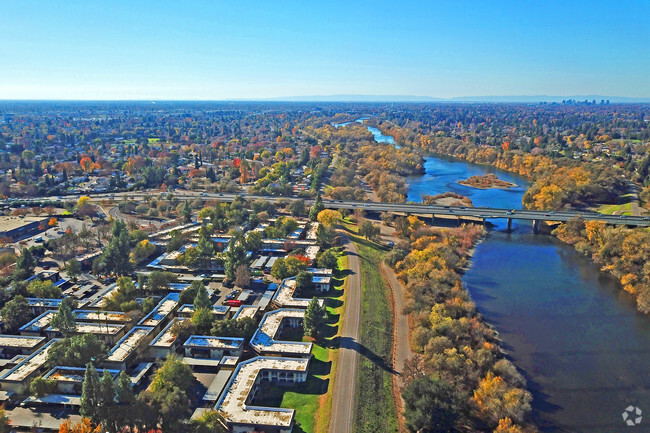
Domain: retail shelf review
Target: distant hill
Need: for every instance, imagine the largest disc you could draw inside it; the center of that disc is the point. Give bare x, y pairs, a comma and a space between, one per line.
494, 98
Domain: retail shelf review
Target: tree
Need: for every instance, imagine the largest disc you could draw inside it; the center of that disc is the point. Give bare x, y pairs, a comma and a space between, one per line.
295, 265
43, 289
279, 269
159, 280
141, 251
253, 241
107, 401
25, 265
209, 422
5, 424
328, 259
173, 373
297, 208
241, 328
91, 394
116, 255
430, 405
76, 351
234, 256
202, 319
187, 212
202, 299
325, 237
304, 281
316, 208
242, 276
314, 319
41, 387
495, 399
73, 269
123, 389
83, 426
369, 230
15, 313
87, 164
329, 218
64, 320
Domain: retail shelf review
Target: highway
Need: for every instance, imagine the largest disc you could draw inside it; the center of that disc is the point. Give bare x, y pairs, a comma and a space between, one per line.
479, 213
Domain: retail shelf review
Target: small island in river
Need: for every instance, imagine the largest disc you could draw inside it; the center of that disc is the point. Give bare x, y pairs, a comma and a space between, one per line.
486, 181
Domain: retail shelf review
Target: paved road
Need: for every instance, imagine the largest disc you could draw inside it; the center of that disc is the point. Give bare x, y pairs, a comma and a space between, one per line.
401, 346
479, 213
345, 385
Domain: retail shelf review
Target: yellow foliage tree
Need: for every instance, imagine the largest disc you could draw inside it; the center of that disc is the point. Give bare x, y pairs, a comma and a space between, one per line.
83, 426
507, 426
329, 217
83, 200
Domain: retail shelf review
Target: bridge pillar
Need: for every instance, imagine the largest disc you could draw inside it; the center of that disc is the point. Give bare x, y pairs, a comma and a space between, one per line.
536, 224
509, 224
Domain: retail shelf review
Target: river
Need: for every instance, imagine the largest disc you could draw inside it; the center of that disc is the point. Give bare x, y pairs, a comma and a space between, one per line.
567, 326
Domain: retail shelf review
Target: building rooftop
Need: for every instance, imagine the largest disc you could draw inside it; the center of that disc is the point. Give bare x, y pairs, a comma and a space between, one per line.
44, 302
165, 339
73, 374
101, 316
214, 342
161, 311
128, 343
263, 341
20, 341
233, 404
8, 223
188, 309
95, 328
39, 322
284, 295
245, 311
28, 365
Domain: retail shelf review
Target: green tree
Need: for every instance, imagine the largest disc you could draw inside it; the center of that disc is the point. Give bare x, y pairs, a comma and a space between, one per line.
173, 373
15, 313
41, 387
294, 266
279, 269
25, 265
106, 411
76, 351
43, 289
159, 280
304, 281
73, 269
316, 208
369, 230
297, 208
430, 406
187, 296
202, 320
233, 257
202, 299
328, 259
253, 241
241, 328
209, 422
91, 394
187, 213
315, 316
325, 237
116, 255
64, 320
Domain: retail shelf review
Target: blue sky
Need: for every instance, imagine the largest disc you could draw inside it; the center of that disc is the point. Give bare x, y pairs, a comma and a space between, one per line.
260, 49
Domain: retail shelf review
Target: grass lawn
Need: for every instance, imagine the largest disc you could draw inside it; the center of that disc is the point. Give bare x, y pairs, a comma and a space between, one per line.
313, 399
616, 209
375, 405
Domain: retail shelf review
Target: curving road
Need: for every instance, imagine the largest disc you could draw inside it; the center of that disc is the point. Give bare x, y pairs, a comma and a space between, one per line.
345, 384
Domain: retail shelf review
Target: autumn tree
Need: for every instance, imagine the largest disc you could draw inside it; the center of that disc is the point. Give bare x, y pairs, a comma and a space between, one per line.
329, 218
496, 399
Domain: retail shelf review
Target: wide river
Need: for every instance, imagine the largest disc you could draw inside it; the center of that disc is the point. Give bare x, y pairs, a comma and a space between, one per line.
567, 326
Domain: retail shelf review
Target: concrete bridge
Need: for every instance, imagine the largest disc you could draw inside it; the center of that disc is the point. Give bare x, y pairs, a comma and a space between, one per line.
477, 214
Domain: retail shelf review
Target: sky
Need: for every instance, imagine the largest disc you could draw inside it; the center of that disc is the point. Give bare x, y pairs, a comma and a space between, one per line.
216, 50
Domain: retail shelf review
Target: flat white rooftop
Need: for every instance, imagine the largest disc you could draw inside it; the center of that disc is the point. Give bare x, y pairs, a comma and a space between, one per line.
228, 343
95, 328
128, 343
233, 403
162, 310
39, 322
263, 341
29, 365
20, 341
101, 316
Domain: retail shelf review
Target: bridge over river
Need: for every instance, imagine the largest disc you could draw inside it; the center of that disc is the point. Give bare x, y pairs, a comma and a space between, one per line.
478, 214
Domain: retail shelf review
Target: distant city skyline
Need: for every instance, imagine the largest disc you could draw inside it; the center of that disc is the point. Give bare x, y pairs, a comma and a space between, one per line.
169, 50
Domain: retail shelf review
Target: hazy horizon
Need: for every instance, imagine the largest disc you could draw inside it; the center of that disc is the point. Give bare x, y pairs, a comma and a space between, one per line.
198, 51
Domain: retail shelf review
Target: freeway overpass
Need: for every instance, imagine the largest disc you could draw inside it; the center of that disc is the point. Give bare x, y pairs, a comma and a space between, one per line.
479, 214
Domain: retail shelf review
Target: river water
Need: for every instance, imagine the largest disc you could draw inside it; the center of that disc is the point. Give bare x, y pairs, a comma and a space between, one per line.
568, 327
